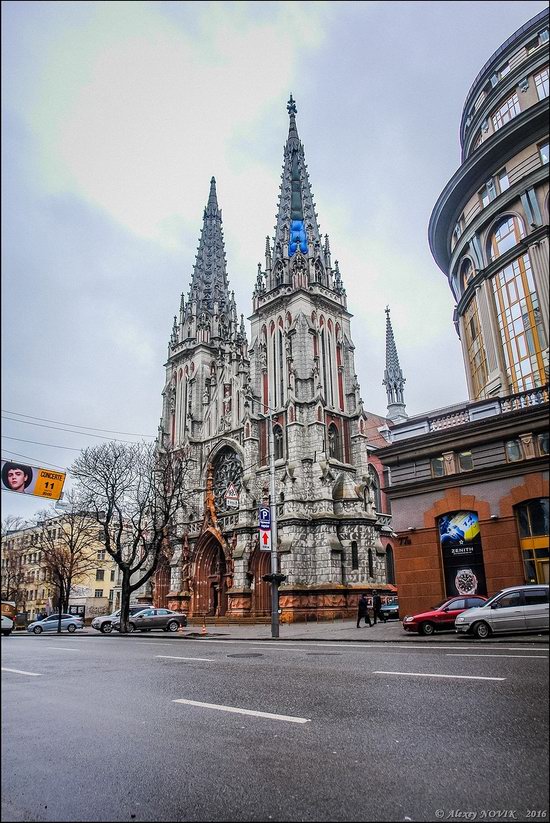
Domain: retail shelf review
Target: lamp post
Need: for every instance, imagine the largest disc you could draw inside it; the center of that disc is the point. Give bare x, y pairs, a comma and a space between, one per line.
273, 507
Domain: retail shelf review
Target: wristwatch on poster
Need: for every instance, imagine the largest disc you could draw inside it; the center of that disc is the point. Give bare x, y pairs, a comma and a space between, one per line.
466, 581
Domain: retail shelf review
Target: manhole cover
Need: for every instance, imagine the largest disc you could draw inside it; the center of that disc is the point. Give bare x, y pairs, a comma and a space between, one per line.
245, 655
323, 654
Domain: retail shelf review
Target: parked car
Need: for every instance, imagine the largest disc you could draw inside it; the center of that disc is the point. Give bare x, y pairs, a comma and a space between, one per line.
7, 625
104, 623
390, 609
514, 609
71, 622
442, 617
150, 619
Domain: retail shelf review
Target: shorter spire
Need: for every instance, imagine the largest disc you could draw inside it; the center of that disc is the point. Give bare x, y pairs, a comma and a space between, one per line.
393, 376
292, 111
212, 206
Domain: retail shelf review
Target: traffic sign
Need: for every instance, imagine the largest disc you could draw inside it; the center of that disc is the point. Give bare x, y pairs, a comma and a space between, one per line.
265, 518
231, 497
265, 540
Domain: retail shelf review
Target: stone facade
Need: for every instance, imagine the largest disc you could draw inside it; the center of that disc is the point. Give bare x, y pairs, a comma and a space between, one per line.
292, 389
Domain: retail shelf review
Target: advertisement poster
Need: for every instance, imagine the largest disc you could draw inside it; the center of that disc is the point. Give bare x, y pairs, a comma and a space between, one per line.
23, 479
462, 554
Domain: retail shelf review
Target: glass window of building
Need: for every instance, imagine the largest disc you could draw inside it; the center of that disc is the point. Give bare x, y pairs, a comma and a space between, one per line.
520, 324
507, 234
542, 441
506, 112
504, 70
541, 83
543, 153
371, 563
375, 488
278, 442
100, 574
98, 593
390, 565
513, 451
467, 271
543, 36
487, 193
477, 358
465, 461
532, 519
437, 466
354, 555
334, 445
503, 182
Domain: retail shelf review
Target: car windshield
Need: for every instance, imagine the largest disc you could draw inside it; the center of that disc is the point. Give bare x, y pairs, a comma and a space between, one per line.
491, 599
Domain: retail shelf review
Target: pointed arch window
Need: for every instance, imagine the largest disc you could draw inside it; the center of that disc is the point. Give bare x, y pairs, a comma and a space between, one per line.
371, 563
278, 443
375, 480
354, 555
390, 565
334, 442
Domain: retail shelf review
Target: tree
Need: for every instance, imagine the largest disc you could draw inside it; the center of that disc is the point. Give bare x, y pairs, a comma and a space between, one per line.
68, 545
12, 575
134, 492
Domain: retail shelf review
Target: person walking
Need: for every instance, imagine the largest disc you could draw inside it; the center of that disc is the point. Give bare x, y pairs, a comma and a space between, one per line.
363, 611
376, 606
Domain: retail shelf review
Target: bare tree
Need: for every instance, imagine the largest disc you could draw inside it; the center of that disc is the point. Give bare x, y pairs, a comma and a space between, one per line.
68, 545
134, 492
12, 575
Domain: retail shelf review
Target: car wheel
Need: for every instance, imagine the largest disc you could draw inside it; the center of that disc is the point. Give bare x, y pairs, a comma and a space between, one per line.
6, 634
131, 627
481, 630
71, 628
37, 630
173, 626
427, 629
106, 628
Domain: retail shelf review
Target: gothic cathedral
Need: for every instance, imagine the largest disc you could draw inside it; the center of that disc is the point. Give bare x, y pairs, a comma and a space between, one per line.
296, 375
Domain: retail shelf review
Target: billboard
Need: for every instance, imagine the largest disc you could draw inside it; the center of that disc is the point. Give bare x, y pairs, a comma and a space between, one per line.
23, 479
462, 554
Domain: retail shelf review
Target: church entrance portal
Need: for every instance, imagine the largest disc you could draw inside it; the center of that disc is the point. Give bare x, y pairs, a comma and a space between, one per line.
211, 579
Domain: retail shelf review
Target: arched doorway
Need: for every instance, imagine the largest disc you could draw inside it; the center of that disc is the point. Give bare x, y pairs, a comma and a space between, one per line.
260, 564
161, 584
211, 579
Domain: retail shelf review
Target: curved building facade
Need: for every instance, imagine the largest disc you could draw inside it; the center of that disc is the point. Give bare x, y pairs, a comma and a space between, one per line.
488, 231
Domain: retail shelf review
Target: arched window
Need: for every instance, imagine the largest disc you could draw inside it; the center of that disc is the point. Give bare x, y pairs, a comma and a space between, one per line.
334, 444
477, 358
371, 564
373, 474
390, 566
278, 443
505, 235
354, 555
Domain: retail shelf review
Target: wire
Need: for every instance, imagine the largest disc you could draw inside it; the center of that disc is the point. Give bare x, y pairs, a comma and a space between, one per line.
93, 428
71, 431
35, 443
35, 460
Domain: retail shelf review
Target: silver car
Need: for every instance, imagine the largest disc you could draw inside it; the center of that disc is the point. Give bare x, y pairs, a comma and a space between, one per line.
515, 609
104, 624
71, 622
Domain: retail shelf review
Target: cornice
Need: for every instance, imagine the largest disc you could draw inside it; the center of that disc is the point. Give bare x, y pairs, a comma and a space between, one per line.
518, 133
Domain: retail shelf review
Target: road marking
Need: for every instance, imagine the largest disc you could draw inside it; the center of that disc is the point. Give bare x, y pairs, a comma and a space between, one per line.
450, 676
343, 644
235, 710
62, 648
526, 656
173, 657
18, 671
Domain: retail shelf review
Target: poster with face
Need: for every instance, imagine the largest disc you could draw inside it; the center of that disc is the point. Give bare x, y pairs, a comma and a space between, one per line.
23, 479
462, 554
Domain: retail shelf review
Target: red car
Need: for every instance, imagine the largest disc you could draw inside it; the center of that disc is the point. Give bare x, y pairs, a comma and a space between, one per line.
441, 617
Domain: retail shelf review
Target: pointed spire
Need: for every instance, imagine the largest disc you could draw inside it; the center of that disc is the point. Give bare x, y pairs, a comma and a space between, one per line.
212, 206
393, 376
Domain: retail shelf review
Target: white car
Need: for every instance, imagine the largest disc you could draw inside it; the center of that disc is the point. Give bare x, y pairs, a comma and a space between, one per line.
515, 609
7, 625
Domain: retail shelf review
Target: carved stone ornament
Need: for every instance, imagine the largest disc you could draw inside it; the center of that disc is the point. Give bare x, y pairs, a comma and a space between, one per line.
227, 469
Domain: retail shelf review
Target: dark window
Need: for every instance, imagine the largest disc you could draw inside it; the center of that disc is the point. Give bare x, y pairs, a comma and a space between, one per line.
279, 451
100, 574
513, 451
465, 461
334, 449
112, 575
98, 593
437, 466
390, 565
507, 601
371, 564
457, 604
354, 555
543, 443
535, 596
533, 518
373, 474
473, 602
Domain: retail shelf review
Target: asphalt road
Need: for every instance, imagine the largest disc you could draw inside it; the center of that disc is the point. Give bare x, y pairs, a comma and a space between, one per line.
91, 730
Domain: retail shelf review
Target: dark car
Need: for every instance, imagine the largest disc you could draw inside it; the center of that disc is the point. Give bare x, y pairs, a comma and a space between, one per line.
442, 617
104, 624
390, 609
149, 619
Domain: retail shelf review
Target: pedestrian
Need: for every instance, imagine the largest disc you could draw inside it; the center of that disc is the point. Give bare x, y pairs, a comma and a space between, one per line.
363, 610
376, 607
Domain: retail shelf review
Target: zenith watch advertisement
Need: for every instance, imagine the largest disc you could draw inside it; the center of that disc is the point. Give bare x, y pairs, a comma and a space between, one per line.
462, 554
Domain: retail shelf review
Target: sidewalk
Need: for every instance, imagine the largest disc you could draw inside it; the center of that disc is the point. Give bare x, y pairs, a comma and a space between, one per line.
347, 631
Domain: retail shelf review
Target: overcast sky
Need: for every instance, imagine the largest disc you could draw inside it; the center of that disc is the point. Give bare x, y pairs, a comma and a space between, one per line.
115, 117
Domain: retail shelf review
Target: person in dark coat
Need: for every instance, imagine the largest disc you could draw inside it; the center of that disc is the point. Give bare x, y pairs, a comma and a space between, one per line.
363, 611
376, 606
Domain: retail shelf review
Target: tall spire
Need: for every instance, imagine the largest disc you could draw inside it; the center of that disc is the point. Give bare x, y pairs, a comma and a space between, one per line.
393, 376
296, 218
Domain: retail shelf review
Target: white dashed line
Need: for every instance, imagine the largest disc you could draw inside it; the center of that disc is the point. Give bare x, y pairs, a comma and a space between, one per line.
235, 710
525, 656
18, 671
173, 657
450, 676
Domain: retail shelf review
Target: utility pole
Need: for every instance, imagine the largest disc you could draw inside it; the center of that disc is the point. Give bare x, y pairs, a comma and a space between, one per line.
273, 507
